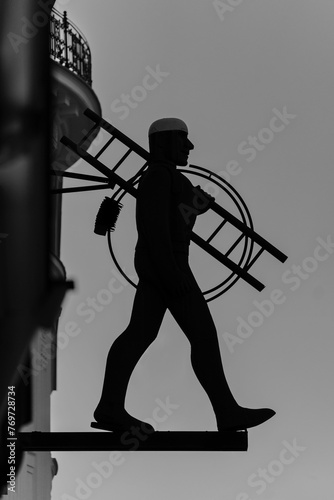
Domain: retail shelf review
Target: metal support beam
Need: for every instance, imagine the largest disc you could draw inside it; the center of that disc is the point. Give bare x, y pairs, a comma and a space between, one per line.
80, 189
126, 441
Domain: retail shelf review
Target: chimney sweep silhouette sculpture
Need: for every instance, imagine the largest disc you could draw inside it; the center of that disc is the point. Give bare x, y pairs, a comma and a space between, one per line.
166, 211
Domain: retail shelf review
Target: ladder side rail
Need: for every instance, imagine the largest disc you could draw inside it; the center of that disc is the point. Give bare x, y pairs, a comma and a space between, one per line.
227, 262
249, 232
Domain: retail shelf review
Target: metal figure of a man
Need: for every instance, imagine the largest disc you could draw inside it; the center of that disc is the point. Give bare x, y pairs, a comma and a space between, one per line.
166, 210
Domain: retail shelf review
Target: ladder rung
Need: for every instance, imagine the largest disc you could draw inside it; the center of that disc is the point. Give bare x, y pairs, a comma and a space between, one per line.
216, 231
85, 137
255, 258
227, 262
234, 245
107, 144
112, 177
249, 232
121, 160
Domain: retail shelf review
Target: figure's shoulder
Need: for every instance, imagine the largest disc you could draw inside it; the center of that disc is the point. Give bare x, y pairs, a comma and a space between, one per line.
159, 170
157, 174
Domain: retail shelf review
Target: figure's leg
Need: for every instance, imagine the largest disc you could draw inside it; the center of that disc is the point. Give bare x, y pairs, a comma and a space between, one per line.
193, 316
147, 315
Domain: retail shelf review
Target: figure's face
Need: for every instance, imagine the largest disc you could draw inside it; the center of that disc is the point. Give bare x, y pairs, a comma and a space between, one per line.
181, 148
171, 145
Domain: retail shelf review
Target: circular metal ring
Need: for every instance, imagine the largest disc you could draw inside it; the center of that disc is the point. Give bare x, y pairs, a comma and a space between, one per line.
246, 218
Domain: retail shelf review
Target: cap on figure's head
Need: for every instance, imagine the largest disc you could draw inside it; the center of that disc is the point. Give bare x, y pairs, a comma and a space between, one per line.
167, 124
168, 139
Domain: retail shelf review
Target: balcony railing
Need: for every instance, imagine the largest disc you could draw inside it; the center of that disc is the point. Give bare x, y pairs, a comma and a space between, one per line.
69, 47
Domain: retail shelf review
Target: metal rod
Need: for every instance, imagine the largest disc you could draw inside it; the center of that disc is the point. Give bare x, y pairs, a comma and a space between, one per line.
79, 189
65, 38
73, 175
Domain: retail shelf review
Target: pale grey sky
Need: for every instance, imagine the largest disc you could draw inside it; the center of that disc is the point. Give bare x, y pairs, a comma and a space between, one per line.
254, 82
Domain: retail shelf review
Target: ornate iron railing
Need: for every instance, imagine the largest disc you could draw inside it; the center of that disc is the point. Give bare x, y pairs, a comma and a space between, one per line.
69, 47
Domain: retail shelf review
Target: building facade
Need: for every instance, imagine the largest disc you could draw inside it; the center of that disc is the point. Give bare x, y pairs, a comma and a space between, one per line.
72, 93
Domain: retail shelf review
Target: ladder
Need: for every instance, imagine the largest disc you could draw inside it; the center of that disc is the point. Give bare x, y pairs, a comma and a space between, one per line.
112, 179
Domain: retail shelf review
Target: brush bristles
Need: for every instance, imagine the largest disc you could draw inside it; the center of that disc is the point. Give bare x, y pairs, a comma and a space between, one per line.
107, 216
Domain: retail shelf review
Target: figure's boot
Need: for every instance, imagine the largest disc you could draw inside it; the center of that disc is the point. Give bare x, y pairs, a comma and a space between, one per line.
207, 364
119, 421
242, 418
110, 413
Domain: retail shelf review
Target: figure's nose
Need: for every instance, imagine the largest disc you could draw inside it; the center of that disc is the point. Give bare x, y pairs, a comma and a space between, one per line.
190, 145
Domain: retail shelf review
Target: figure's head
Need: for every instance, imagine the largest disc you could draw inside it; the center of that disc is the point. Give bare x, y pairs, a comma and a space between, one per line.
168, 140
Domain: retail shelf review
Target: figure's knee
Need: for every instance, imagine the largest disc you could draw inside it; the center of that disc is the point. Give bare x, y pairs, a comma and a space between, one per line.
202, 334
139, 338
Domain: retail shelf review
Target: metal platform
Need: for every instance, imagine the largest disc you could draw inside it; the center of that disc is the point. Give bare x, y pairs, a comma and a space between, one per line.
127, 441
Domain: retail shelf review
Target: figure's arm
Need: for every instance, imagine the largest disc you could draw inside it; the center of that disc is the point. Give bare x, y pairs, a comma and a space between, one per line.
155, 220
155, 209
